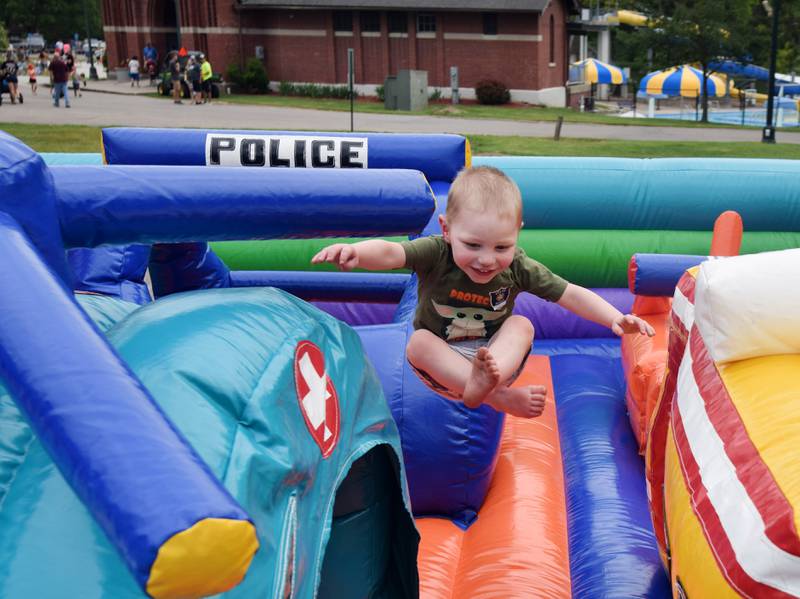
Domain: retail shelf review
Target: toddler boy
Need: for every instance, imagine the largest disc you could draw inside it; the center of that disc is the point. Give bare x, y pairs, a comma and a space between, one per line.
467, 345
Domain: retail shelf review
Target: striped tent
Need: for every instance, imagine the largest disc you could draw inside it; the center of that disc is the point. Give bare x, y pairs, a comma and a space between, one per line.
685, 81
597, 71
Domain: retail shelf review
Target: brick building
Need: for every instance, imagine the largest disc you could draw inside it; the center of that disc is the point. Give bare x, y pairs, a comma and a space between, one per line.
522, 43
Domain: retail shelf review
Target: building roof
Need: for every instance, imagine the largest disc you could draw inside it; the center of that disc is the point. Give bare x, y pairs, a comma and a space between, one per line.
456, 5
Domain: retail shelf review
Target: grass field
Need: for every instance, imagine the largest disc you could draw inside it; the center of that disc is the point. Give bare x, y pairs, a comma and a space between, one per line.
80, 138
514, 112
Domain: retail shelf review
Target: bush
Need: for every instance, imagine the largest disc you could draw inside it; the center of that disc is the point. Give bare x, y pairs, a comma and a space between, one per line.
490, 91
435, 96
312, 90
381, 93
250, 80
285, 88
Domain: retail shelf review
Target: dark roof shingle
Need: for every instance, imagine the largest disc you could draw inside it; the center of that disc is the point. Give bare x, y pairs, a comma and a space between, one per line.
457, 5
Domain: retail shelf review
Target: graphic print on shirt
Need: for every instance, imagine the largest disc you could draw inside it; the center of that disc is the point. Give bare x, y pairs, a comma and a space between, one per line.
466, 322
499, 297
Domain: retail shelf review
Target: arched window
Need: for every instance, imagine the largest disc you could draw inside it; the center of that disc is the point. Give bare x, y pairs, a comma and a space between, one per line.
552, 39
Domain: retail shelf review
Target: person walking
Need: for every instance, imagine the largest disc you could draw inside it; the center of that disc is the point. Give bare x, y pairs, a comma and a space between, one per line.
59, 76
206, 74
76, 83
32, 77
133, 70
175, 77
9, 71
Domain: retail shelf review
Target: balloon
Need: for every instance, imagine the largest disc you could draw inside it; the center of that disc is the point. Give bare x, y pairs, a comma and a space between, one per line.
59, 45
67, 48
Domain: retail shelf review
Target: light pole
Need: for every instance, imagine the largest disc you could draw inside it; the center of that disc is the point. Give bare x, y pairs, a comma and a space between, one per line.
92, 69
768, 133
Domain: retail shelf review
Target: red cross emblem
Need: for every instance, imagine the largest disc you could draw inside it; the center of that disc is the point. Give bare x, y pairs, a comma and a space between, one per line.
317, 396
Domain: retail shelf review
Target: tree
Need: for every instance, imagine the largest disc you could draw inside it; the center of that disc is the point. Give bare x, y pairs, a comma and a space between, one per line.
3, 37
698, 31
54, 19
789, 54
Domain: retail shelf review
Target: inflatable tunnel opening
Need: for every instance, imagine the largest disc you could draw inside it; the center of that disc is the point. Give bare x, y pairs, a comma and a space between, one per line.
371, 552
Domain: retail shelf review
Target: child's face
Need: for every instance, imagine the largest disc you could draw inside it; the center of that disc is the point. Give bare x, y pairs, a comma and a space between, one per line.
483, 243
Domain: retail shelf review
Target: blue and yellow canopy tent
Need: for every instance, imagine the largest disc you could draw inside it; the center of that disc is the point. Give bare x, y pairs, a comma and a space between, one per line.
685, 81
597, 71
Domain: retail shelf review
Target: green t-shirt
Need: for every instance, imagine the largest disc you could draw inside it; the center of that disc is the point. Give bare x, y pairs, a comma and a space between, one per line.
451, 306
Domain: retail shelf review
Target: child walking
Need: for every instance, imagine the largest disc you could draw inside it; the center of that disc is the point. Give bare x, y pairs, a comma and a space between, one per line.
32, 78
76, 83
467, 344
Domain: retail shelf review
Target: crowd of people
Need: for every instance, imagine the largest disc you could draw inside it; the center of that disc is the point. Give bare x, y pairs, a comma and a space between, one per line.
183, 69
193, 69
62, 69
198, 75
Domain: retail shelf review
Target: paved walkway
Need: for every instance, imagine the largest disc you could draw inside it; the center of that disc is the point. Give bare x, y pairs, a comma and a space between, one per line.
122, 105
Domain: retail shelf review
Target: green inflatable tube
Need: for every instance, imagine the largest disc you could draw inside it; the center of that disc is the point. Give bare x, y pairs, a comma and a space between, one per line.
592, 258
278, 254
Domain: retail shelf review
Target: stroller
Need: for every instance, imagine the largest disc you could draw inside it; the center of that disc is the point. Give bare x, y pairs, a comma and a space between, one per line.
4, 90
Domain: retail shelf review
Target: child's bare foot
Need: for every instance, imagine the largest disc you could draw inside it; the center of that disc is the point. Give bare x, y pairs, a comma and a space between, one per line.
482, 379
525, 402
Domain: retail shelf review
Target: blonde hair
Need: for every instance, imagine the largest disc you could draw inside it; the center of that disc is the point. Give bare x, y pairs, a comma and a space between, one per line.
482, 188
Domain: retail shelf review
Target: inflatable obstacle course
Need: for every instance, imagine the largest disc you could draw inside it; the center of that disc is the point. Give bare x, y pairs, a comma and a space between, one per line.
173, 502
527, 524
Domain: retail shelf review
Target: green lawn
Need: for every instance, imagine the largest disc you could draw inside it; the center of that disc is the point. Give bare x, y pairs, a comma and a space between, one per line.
473, 111
513, 112
80, 138
56, 138
526, 146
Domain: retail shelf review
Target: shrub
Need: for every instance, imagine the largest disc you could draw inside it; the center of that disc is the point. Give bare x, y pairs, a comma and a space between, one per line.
235, 75
250, 80
381, 93
489, 91
312, 90
435, 96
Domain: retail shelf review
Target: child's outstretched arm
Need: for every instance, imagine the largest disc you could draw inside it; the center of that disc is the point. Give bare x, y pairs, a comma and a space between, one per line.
372, 254
589, 305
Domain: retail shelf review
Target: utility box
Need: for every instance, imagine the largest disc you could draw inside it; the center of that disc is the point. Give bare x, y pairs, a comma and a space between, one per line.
408, 90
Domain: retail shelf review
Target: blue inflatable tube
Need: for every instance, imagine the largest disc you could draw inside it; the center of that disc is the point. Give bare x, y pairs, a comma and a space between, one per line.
115, 271
449, 450
29, 199
660, 193
658, 274
612, 549
71, 158
439, 156
132, 204
327, 286
138, 477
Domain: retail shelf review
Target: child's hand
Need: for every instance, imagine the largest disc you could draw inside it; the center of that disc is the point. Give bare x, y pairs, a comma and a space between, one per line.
343, 255
624, 324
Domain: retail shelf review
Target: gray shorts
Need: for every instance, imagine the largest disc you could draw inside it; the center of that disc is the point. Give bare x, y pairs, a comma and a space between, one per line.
467, 348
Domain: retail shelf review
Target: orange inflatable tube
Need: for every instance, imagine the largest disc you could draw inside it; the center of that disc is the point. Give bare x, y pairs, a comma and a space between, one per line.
727, 238
644, 361
518, 547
